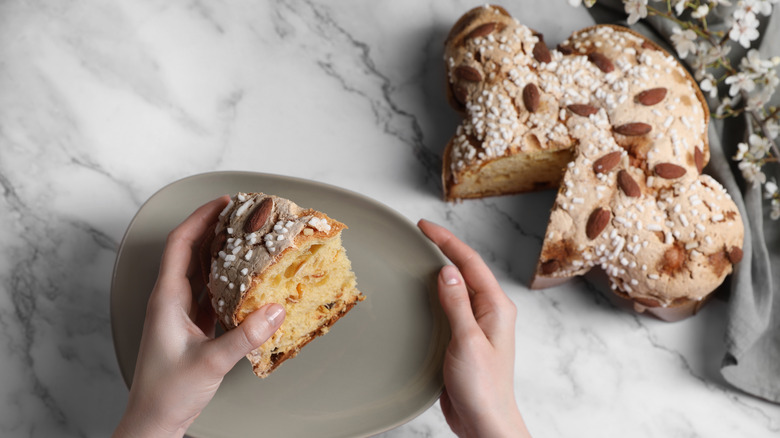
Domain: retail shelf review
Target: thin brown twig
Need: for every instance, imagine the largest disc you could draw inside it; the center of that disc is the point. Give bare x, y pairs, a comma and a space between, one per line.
762, 126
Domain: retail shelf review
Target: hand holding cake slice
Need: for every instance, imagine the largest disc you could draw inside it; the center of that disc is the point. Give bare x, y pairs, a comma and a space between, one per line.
266, 249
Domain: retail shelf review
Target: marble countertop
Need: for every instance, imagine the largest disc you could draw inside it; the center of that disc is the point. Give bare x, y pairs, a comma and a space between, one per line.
103, 103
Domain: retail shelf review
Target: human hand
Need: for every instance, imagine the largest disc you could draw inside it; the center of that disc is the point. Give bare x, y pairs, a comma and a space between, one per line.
180, 364
478, 398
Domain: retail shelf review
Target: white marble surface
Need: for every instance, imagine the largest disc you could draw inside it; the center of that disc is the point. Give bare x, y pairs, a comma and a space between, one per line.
104, 102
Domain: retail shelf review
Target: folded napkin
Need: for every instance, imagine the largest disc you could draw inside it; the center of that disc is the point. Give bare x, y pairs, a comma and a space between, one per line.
752, 342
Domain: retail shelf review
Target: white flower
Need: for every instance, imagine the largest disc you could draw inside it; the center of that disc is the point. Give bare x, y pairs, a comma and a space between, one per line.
770, 189
742, 149
771, 80
683, 41
718, 52
575, 3
758, 100
715, 53
775, 212
772, 128
707, 54
759, 146
701, 12
752, 172
744, 29
725, 103
740, 81
679, 6
763, 7
708, 85
752, 62
636, 9
743, 11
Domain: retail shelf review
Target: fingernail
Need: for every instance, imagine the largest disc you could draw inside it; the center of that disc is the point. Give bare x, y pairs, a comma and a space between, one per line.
274, 312
450, 275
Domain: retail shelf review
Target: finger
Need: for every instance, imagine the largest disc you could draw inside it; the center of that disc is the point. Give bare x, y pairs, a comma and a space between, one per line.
491, 307
182, 244
476, 273
223, 352
183, 239
456, 303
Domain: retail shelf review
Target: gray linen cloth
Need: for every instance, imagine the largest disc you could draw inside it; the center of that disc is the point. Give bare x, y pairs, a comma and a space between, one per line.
752, 343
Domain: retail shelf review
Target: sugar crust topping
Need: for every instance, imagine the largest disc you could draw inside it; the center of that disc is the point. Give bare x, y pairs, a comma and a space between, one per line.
497, 121
660, 230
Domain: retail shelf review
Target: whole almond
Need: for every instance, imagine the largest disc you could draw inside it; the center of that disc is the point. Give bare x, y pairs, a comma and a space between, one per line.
468, 73
669, 170
597, 221
541, 52
582, 110
607, 162
646, 302
628, 185
633, 129
259, 215
550, 266
461, 25
565, 49
735, 255
601, 61
698, 158
651, 96
531, 97
482, 30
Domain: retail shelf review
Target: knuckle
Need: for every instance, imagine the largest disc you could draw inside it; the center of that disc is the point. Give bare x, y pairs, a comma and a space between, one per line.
511, 308
460, 299
214, 363
471, 339
507, 311
471, 256
173, 236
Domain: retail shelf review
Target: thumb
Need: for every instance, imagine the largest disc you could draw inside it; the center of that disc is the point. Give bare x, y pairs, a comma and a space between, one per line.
233, 345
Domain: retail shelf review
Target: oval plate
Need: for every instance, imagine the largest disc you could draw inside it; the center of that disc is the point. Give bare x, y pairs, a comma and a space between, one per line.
377, 368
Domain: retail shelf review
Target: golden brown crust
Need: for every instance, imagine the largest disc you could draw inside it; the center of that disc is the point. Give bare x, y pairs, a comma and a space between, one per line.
676, 311
634, 124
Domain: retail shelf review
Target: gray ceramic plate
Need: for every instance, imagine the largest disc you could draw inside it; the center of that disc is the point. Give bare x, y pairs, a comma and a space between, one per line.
378, 367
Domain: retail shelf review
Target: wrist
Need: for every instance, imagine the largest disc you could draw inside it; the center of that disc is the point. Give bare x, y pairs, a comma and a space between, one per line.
136, 423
